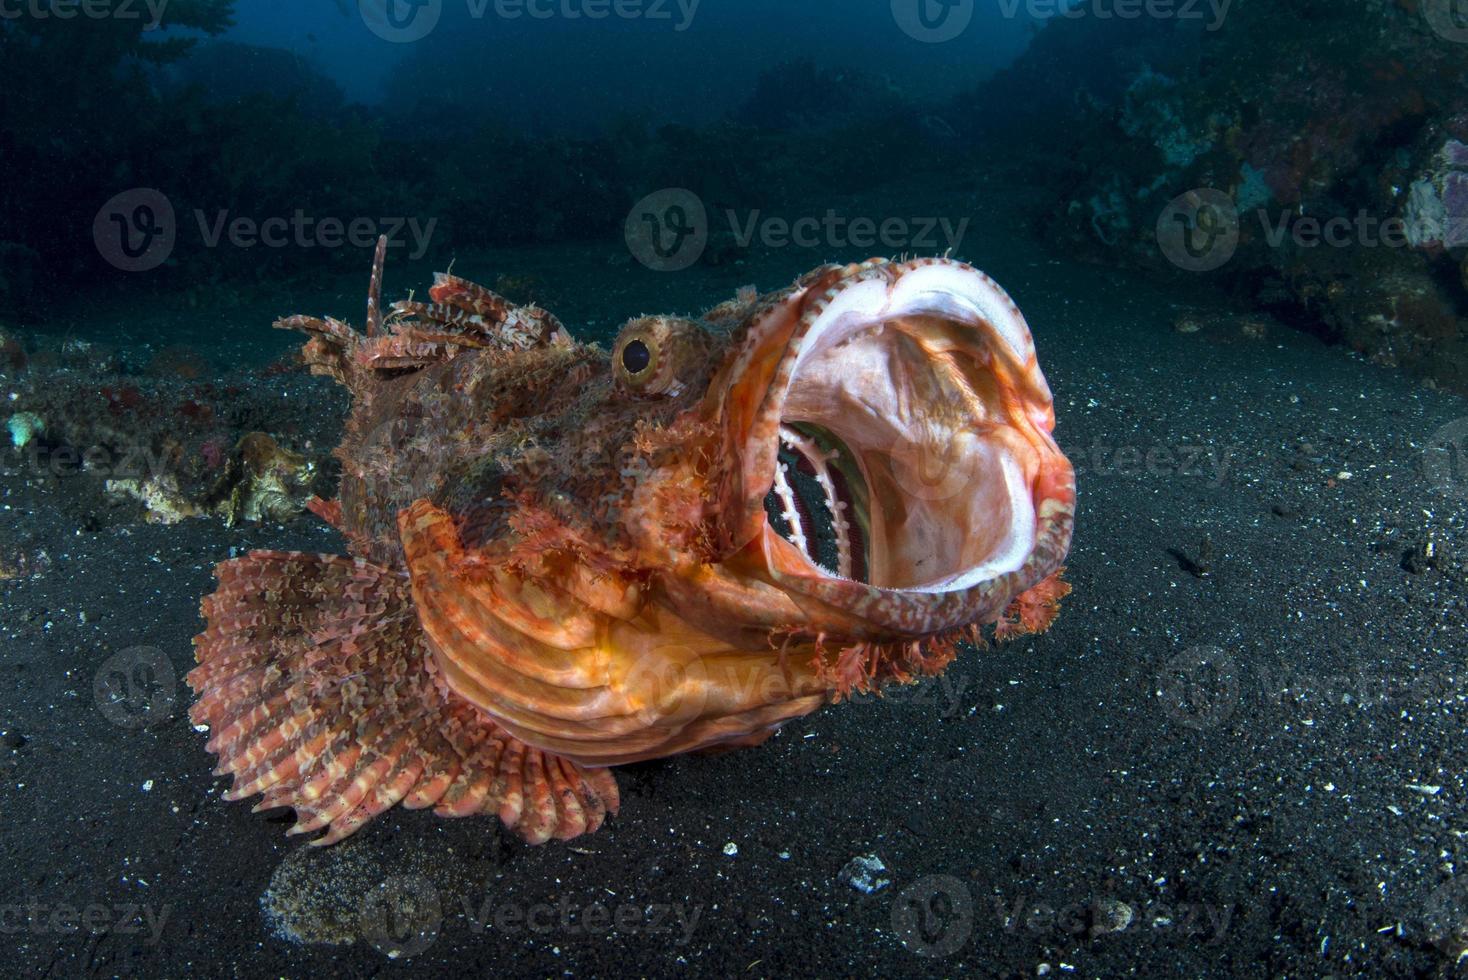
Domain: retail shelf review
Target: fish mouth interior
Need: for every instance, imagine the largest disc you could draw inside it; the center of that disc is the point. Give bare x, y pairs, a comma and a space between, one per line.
903, 462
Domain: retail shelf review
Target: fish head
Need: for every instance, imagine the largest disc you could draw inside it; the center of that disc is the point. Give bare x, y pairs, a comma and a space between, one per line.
872, 456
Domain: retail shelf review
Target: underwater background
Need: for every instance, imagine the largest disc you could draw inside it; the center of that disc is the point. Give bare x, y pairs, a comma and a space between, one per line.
1239, 232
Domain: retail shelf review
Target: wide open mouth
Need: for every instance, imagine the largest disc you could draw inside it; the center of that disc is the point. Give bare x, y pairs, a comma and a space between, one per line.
904, 442
897, 468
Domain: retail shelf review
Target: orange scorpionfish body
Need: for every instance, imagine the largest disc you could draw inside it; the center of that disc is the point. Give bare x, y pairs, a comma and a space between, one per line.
564, 559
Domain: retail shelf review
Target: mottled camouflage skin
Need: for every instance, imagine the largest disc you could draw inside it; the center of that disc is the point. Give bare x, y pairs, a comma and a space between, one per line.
561, 560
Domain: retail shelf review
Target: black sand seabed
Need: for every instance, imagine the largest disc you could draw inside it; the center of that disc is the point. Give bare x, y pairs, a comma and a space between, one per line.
1083, 803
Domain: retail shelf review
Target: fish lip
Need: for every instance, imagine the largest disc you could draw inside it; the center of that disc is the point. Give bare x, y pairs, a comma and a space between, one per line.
772, 359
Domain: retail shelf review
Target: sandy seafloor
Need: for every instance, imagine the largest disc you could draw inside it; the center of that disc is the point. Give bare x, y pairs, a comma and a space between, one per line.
1082, 803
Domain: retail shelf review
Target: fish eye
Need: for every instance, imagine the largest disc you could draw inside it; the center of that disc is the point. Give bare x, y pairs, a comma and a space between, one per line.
636, 357
657, 356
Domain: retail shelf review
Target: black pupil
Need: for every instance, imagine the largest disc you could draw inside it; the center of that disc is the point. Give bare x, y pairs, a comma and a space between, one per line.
636, 357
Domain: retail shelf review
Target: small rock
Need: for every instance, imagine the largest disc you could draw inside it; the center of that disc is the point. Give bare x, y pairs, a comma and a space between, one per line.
864, 874
1422, 557
1111, 916
25, 428
12, 740
731, 849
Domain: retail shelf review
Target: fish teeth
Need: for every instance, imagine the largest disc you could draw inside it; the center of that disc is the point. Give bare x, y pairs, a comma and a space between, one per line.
820, 464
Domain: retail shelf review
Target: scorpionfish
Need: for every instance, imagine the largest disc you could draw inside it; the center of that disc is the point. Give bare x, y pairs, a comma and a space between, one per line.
563, 558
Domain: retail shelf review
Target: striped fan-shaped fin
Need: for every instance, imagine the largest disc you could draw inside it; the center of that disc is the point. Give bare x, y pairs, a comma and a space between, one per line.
317, 686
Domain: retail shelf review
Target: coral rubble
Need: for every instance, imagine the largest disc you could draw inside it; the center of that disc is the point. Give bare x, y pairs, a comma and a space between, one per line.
1335, 133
